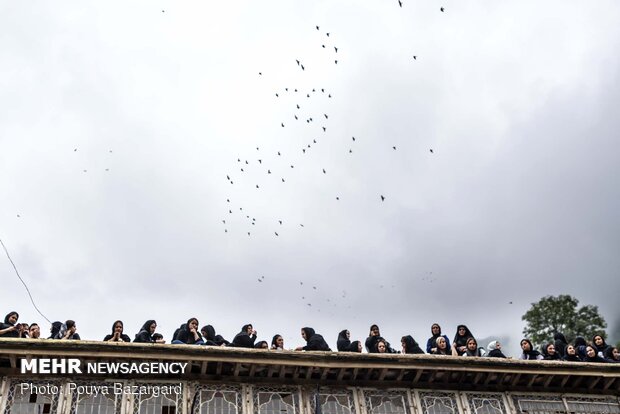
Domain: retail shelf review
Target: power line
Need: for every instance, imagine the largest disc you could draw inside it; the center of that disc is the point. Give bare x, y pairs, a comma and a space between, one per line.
22, 280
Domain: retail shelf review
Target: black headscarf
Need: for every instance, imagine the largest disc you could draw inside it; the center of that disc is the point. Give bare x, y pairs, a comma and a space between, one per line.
123, 337
411, 346
355, 346
211, 338
602, 348
314, 341
343, 343
55, 329
560, 343
14, 333
274, 344
548, 357
532, 353
609, 355
144, 335
243, 339
461, 340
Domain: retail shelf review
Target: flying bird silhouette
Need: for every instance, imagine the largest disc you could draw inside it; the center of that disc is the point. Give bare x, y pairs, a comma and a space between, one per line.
382, 198
442, 9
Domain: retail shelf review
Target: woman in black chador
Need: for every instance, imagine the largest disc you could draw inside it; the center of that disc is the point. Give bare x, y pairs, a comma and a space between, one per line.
146, 334
528, 350
460, 339
410, 346
550, 353
245, 338
189, 335
344, 343
210, 338
373, 337
117, 333
314, 341
592, 356
570, 354
431, 343
10, 328
277, 343
599, 345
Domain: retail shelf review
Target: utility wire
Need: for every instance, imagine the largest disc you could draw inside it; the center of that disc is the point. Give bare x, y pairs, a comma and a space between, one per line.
22, 280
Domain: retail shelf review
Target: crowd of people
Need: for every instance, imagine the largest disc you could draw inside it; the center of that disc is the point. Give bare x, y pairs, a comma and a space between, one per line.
463, 344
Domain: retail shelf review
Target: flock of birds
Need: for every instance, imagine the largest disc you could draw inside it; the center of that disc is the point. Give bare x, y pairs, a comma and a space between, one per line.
320, 125
244, 167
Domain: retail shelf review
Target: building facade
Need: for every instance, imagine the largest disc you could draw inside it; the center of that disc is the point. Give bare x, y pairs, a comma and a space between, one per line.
218, 380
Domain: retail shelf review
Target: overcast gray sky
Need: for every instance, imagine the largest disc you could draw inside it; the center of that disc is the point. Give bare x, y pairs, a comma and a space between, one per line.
120, 122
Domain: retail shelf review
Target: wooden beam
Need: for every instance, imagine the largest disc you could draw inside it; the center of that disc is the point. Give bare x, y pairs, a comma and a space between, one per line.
236, 370
309, 372
341, 373
271, 370
382, 374
548, 380
593, 383
432, 377
324, 374
608, 383
488, 378
218, 370
252, 370
477, 377
354, 376
203, 367
418, 374
564, 381
282, 373
401, 374
531, 381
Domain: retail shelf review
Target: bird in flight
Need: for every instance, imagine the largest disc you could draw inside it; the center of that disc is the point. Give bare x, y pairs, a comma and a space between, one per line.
382, 198
415, 57
442, 9
324, 171
400, 3
431, 150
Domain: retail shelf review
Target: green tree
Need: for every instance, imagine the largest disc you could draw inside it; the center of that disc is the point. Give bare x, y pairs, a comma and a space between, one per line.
561, 314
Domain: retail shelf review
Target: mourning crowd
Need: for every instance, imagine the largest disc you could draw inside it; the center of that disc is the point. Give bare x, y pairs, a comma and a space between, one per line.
463, 344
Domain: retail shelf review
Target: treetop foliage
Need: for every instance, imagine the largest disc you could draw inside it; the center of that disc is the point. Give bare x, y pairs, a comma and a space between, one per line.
552, 314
